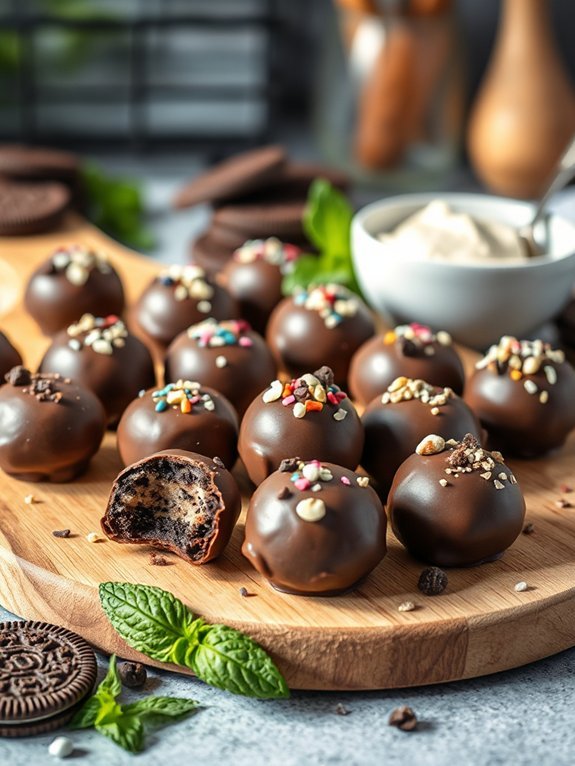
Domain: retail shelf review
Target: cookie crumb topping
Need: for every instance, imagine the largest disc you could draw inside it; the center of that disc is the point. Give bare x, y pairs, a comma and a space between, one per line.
102, 334
213, 334
183, 395
77, 262
416, 339
308, 393
271, 250
404, 389
45, 387
334, 303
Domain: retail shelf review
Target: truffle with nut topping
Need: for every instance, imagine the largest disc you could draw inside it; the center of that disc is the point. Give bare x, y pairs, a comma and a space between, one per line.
181, 415
308, 416
314, 528
100, 354
9, 357
227, 356
75, 280
324, 324
398, 420
50, 426
454, 504
179, 297
522, 392
412, 351
177, 501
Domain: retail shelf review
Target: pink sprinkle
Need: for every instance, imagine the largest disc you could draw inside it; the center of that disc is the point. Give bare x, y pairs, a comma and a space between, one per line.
346, 481
246, 342
243, 325
302, 484
332, 398
288, 400
194, 399
341, 396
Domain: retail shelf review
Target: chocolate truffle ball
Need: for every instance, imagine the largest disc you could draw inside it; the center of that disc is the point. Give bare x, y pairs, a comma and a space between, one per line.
226, 356
325, 324
396, 422
50, 427
9, 357
74, 281
177, 501
308, 416
523, 393
314, 529
410, 350
101, 355
177, 298
181, 415
454, 504
254, 277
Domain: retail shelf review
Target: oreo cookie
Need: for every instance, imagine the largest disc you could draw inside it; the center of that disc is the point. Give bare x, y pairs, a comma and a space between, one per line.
31, 208
33, 163
262, 220
46, 672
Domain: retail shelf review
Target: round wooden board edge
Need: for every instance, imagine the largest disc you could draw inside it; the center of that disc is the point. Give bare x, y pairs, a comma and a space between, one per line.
352, 659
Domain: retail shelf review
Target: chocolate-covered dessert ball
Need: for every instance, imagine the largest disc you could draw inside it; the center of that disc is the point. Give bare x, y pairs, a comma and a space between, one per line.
314, 528
254, 277
100, 354
50, 427
75, 280
396, 422
9, 357
454, 504
179, 297
308, 416
325, 324
523, 393
177, 501
412, 351
182, 415
226, 356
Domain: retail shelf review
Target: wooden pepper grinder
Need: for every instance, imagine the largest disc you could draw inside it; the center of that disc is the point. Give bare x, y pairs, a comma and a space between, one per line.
524, 114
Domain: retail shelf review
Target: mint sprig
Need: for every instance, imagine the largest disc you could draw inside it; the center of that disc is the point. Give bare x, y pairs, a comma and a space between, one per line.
156, 623
124, 724
327, 225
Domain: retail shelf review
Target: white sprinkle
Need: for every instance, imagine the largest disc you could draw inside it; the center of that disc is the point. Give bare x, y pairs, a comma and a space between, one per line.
273, 393
29, 499
530, 386
61, 747
92, 537
531, 365
486, 475
443, 338
502, 476
101, 346
429, 351
60, 261
443, 482
340, 414
325, 474
311, 472
74, 344
204, 306
512, 479
181, 293
363, 481
544, 397
431, 445
497, 484
522, 586
76, 274
435, 410
550, 374
316, 487
221, 361
209, 405
407, 606
299, 410
311, 509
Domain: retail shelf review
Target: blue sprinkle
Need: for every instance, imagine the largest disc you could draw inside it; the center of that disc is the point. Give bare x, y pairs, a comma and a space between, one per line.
166, 281
295, 476
161, 405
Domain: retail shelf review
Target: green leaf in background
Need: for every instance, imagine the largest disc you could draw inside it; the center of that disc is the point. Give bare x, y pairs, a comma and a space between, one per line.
127, 731
161, 707
85, 718
111, 684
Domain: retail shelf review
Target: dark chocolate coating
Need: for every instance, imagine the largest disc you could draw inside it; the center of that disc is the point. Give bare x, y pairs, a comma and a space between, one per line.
270, 432
393, 431
516, 421
55, 303
320, 558
377, 364
116, 379
161, 317
146, 501
257, 287
247, 373
300, 340
9, 357
142, 431
47, 440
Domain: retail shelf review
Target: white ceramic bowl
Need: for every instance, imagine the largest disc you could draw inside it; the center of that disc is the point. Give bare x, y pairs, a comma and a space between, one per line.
475, 303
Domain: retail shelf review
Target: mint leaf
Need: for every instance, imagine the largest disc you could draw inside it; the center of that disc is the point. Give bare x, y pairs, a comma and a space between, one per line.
304, 272
150, 620
111, 682
161, 707
102, 704
327, 219
127, 731
230, 660
85, 718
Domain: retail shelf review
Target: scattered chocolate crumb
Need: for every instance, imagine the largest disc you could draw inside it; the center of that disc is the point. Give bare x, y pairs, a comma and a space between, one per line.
341, 709
18, 376
325, 376
218, 461
132, 674
565, 489
432, 581
528, 529
408, 347
284, 493
61, 533
458, 456
29, 499
562, 503
157, 560
289, 464
403, 718
244, 593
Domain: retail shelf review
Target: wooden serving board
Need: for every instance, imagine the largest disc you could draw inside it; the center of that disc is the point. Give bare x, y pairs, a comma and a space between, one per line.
358, 641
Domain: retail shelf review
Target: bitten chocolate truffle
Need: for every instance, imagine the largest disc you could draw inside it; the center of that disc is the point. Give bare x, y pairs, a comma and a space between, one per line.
254, 277
9, 357
50, 427
74, 281
454, 504
100, 354
325, 324
308, 416
226, 356
314, 528
177, 501
179, 297
413, 351
396, 422
523, 394
182, 415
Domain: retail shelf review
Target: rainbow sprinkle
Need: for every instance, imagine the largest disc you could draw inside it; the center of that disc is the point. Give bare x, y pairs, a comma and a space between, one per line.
212, 334
183, 395
333, 302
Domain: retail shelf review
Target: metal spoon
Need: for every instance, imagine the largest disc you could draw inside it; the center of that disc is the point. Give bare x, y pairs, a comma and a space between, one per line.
563, 174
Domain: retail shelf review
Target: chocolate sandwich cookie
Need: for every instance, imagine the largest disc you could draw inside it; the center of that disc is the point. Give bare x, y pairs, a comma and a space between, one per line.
46, 672
237, 175
35, 163
258, 220
294, 180
31, 208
